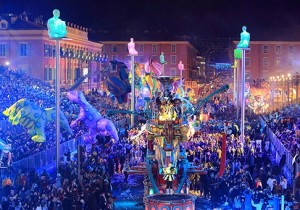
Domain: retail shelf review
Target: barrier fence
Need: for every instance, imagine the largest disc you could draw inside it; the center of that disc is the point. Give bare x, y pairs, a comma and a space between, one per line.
280, 149
46, 157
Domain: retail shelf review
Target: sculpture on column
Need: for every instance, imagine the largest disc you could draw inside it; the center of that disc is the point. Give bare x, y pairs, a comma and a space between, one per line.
131, 48
245, 38
162, 58
180, 66
56, 27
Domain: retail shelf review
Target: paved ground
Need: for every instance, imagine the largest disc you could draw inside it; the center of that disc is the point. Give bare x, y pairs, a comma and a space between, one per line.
130, 196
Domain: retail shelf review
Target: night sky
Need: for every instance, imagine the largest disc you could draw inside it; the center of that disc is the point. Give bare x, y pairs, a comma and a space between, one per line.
210, 25
207, 18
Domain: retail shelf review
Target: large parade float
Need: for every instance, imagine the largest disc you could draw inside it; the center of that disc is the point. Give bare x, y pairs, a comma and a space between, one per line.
167, 133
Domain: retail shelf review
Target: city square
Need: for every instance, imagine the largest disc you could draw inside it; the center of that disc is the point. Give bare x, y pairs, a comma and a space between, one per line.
143, 110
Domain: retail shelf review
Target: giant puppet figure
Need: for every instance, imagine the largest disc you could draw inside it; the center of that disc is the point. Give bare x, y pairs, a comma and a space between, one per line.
146, 77
95, 122
34, 118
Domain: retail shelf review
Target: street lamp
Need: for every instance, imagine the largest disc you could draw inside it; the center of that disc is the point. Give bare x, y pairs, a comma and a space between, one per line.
272, 91
296, 84
282, 92
288, 86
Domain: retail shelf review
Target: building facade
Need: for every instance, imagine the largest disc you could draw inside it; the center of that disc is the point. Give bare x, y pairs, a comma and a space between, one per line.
267, 59
25, 46
174, 52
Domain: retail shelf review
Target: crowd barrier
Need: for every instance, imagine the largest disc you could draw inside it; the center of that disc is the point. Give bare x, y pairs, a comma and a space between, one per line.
49, 156
46, 157
4, 125
280, 149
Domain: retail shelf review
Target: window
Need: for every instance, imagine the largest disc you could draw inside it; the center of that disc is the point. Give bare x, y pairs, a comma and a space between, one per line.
173, 72
51, 73
23, 49
53, 51
265, 49
46, 50
173, 59
291, 61
277, 49
265, 62
154, 48
114, 48
291, 49
247, 62
48, 73
278, 62
173, 48
141, 48
2, 49
69, 74
50, 50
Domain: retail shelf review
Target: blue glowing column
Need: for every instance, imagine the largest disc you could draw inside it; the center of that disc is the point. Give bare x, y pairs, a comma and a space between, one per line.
57, 30
238, 89
243, 94
57, 94
132, 90
234, 83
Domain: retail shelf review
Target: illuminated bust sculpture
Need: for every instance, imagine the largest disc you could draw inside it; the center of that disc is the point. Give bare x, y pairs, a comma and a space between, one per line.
131, 48
245, 39
180, 66
162, 58
56, 27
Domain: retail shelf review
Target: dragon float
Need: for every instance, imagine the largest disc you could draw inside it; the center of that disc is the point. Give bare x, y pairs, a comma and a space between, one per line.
34, 118
92, 119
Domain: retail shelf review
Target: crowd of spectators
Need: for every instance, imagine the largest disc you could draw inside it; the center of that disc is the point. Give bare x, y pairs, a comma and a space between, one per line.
91, 189
285, 124
15, 86
250, 174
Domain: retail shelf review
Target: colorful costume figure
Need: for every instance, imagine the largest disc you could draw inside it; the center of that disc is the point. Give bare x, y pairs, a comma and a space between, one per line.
169, 177
34, 118
146, 80
177, 88
153, 66
93, 120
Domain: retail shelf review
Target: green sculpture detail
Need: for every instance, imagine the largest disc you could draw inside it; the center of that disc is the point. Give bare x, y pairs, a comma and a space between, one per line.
162, 58
245, 39
56, 27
